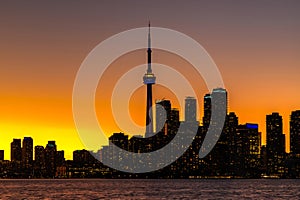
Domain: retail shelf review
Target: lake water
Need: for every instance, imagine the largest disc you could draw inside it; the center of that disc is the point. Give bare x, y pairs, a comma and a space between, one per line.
150, 189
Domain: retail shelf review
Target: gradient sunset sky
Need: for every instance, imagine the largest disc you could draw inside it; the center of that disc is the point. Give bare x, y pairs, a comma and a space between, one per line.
255, 44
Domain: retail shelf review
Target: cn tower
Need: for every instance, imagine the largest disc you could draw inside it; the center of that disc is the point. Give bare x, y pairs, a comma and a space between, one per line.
149, 80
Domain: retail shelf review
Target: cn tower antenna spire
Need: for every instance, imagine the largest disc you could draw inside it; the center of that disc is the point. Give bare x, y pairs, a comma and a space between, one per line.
149, 51
149, 37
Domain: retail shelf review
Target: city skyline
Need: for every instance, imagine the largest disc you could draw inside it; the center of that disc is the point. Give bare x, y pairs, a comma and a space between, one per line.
237, 154
189, 116
255, 46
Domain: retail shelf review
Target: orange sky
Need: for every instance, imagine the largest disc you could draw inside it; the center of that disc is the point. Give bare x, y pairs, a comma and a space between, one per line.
255, 45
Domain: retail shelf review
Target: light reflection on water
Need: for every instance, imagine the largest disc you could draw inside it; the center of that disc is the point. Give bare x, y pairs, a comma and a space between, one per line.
150, 189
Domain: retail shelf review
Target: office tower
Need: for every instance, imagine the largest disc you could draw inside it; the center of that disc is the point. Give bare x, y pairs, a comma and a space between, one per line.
15, 150
263, 159
231, 125
247, 154
295, 132
218, 94
254, 137
39, 161
275, 144
60, 158
50, 159
1, 155
27, 152
226, 145
229, 129
163, 114
116, 157
218, 97
219, 160
190, 109
39, 156
149, 80
173, 121
207, 110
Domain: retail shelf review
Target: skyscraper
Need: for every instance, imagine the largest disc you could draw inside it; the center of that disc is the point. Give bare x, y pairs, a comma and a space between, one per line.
115, 156
149, 80
229, 131
295, 132
163, 113
39, 161
247, 153
15, 150
207, 110
39, 156
275, 144
226, 145
167, 118
50, 159
190, 109
27, 152
218, 96
254, 138
173, 121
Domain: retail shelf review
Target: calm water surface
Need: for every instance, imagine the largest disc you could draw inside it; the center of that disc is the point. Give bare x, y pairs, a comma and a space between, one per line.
150, 189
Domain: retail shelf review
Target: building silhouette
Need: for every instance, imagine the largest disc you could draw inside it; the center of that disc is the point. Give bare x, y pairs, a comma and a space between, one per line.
60, 158
83, 157
218, 94
206, 110
263, 160
163, 114
223, 157
275, 145
149, 80
50, 159
293, 159
230, 141
295, 132
16, 150
247, 150
39, 161
190, 109
173, 121
27, 152
119, 139
254, 138
1, 155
